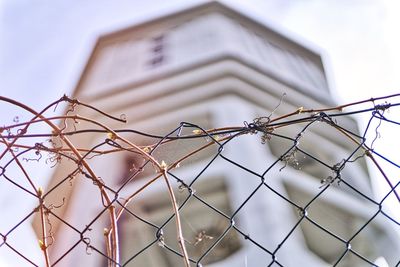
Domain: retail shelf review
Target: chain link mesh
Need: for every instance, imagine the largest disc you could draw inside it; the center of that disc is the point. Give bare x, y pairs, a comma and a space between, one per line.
173, 203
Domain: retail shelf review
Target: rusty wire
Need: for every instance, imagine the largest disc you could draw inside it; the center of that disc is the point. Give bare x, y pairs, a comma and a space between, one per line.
26, 142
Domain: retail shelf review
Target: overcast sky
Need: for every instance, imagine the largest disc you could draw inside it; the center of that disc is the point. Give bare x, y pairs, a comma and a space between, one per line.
44, 44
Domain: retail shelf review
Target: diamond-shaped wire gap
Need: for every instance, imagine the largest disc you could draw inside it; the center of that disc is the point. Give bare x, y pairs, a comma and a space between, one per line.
150, 215
292, 244
204, 219
248, 189
141, 191
137, 235
237, 175
68, 238
334, 221
261, 216
204, 167
213, 193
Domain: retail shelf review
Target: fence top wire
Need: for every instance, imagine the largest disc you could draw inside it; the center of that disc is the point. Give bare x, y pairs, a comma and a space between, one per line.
164, 209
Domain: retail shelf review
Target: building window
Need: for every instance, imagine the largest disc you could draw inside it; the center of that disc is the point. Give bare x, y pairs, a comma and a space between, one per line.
157, 53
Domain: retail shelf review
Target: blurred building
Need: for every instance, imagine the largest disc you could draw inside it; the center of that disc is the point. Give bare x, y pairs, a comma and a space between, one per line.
213, 66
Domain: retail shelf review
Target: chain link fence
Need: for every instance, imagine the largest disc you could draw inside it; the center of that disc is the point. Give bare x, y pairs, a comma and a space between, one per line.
288, 190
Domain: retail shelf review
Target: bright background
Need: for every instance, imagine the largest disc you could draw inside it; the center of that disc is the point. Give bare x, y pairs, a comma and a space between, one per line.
44, 46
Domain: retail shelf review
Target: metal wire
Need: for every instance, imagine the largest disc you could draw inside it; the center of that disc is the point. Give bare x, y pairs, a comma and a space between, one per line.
194, 155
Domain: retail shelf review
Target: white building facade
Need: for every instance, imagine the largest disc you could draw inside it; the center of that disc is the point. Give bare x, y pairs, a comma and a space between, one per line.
214, 67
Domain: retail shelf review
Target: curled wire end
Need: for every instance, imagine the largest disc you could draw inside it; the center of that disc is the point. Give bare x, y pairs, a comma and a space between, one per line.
123, 118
